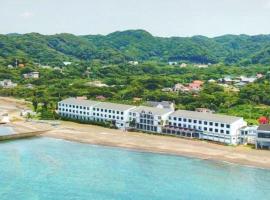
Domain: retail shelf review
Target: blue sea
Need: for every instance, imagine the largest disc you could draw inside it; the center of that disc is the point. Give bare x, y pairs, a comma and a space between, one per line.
51, 169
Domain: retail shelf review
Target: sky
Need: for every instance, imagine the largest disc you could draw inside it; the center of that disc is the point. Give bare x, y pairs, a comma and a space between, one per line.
160, 17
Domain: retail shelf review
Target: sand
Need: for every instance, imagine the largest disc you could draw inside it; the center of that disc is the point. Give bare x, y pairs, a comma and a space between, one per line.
161, 144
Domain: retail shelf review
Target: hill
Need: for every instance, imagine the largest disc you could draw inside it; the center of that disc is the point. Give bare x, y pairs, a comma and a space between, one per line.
118, 47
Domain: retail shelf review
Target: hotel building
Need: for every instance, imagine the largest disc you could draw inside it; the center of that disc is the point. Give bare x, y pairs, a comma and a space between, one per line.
263, 137
86, 110
182, 123
149, 119
202, 125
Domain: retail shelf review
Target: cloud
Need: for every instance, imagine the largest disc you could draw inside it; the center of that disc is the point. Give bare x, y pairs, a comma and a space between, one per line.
27, 14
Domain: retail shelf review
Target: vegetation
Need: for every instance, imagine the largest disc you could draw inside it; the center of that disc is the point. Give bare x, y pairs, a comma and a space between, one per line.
105, 58
140, 45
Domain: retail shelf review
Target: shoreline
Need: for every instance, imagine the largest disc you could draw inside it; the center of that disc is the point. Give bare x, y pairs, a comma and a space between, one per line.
159, 152
166, 145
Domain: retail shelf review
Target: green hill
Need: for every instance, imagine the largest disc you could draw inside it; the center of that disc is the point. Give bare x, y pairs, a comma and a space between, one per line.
118, 47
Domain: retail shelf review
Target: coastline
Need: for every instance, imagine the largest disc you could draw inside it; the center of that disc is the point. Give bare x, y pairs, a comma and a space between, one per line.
161, 144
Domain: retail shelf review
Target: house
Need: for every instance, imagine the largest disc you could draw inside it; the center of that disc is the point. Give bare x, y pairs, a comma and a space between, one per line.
162, 104
31, 75
263, 137
180, 88
67, 63
149, 119
96, 84
259, 76
212, 81
172, 63
245, 79
133, 62
207, 126
21, 65
183, 65
7, 84
194, 87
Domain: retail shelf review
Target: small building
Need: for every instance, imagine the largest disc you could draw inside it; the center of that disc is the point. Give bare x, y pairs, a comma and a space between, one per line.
31, 75
66, 63
248, 135
180, 88
173, 63
263, 137
162, 104
7, 84
133, 62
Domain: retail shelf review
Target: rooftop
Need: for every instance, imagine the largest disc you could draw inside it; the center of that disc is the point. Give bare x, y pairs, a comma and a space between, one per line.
205, 116
113, 106
153, 110
264, 127
80, 102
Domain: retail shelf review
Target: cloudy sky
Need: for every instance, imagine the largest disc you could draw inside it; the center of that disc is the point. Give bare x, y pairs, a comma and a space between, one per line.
160, 17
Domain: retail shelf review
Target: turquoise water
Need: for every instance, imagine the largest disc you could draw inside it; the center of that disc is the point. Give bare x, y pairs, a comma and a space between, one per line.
6, 130
50, 169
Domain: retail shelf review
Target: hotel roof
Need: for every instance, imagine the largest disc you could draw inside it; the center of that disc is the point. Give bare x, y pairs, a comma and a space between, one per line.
205, 116
153, 110
114, 106
79, 102
264, 127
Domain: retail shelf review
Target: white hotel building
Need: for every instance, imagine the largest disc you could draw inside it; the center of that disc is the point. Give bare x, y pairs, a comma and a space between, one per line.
202, 125
182, 123
87, 110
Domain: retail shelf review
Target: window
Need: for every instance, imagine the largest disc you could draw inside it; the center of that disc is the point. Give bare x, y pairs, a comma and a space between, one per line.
211, 123
210, 129
185, 119
200, 122
205, 122
170, 118
180, 119
216, 130
174, 118
221, 131
216, 124
228, 126
227, 132
222, 125
194, 121
189, 120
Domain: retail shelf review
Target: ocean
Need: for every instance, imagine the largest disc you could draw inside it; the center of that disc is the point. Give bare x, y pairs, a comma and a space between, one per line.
52, 169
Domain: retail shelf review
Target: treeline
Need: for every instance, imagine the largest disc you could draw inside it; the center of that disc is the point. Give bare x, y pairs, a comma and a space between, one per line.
129, 45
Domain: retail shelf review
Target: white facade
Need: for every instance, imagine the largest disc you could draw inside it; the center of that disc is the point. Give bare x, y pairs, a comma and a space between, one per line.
149, 119
202, 125
117, 113
86, 110
208, 126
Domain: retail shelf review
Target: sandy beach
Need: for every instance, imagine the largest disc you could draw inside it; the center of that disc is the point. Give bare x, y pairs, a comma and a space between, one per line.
160, 144
139, 141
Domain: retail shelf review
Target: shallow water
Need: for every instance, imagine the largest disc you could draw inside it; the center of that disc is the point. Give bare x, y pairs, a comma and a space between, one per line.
50, 169
6, 130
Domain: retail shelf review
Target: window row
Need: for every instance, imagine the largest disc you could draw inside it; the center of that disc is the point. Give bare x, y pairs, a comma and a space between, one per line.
194, 121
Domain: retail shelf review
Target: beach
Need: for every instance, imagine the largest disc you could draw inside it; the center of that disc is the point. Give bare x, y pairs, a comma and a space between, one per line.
140, 141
